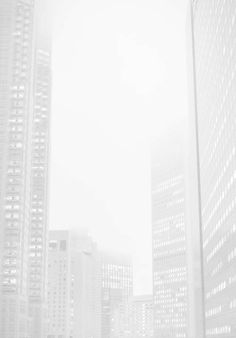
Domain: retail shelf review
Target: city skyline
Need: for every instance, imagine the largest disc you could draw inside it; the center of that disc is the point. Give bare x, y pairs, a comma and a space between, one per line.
117, 169
214, 113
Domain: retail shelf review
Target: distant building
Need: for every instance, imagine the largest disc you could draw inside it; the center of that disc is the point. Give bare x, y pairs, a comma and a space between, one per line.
122, 320
142, 316
59, 285
24, 142
74, 287
212, 118
85, 288
117, 287
134, 319
169, 243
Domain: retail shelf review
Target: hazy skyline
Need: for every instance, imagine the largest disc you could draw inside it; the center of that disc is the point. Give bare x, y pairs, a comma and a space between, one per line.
140, 236
119, 79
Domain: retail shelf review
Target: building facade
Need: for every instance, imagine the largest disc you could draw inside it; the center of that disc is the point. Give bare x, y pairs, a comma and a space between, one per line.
134, 318
122, 320
214, 66
74, 287
117, 288
169, 244
40, 142
85, 288
20, 44
59, 285
142, 316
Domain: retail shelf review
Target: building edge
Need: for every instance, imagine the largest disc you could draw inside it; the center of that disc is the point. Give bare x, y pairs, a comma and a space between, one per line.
196, 314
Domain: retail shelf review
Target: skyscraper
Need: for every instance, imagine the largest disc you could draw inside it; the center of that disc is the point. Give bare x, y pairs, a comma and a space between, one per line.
21, 43
142, 316
38, 235
59, 284
74, 286
85, 288
117, 287
169, 243
133, 318
214, 66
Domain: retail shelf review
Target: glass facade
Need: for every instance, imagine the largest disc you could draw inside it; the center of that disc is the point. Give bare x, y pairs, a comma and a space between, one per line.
24, 112
117, 287
16, 39
169, 248
214, 31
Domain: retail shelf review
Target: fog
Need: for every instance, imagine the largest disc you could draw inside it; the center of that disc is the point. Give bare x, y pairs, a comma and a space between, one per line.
119, 82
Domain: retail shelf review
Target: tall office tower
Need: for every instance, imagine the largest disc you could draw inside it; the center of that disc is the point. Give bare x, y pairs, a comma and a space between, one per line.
59, 284
214, 67
85, 288
20, 44
74, 287
38, 234
169, 242
117, 287
142, 316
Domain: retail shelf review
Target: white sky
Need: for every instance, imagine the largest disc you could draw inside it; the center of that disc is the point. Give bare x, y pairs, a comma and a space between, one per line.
119, 78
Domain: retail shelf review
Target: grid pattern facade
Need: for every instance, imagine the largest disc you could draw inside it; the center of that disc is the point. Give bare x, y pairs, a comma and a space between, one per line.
142, 315
117, 287
59, 285
38, 234
24, 95
122, 321
39, 177
169, 251
214, 24
16, 41
134, 318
